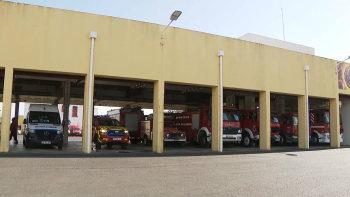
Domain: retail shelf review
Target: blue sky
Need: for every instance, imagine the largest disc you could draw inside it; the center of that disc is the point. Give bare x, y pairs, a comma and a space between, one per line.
321, 24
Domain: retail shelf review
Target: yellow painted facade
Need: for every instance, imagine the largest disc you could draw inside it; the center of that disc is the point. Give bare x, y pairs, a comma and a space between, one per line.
50, 40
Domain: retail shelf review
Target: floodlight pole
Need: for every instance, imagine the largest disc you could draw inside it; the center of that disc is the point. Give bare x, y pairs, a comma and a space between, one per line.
164, 31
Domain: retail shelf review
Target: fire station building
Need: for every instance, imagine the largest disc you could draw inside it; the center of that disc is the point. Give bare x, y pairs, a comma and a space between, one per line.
55, 42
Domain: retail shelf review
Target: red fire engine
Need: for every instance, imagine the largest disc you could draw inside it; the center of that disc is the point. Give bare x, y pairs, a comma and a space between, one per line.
250, 125
131, 119
74, 130
289, 128
106, 130
196, 122
170, 134
319, 126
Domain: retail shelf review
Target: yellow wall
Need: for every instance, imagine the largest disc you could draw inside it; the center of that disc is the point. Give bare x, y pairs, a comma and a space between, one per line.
57, 40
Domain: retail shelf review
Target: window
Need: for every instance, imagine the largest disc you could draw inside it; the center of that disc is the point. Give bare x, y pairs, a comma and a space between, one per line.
319, 118
243, 116
108, 122
274, 117
208, 114
286, 120
326, 118
75, 111
253, 116
230, 115
44, 117
295, 120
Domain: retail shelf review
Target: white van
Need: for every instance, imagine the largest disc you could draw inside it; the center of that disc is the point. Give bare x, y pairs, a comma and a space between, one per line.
43, 126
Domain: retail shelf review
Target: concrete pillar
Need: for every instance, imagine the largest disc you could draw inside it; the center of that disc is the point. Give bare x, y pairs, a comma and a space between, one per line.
216, 117
303, 140
334, 122
241, 104
158, 116
249, 102
6, 109
230, 101
85, 108
264, 116
345, 112
280, 106
66, 104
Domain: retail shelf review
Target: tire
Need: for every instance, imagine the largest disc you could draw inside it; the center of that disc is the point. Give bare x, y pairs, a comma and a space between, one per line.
314, 139
124, 146
28, 145
203, 141
134, 141
109, 145
60, 147
146, 142
246, 140
283, 141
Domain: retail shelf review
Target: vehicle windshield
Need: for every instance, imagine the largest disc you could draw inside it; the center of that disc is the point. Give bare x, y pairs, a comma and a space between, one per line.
76, 129
295, 120
44, 117
169, 125
230, 115
326, 118
341, 120
274, 117
108, 122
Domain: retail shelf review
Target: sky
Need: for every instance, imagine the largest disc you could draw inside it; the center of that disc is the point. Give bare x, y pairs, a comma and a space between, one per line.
321, 24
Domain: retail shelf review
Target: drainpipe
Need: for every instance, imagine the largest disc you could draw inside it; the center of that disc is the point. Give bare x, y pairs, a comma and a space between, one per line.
307, 68
93, 36
221, 54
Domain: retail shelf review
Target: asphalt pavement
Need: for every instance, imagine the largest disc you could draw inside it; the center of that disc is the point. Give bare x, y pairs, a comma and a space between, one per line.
305, 173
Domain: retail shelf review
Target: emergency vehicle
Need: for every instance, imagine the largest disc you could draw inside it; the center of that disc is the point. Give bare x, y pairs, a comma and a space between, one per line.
250, 125
319, 126
131, 119
170, 132
74, 130
106, 130
289, 128
196, 123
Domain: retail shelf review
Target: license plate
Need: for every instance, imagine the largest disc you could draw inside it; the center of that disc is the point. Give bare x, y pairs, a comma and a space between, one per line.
117, 138
45, 142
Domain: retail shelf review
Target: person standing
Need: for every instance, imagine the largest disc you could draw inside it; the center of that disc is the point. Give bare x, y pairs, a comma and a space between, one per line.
13, 128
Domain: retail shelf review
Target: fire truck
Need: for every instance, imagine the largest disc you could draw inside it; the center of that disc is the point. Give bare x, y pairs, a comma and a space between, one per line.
319, 127
196, 122
131, 119
170, 134
250, 125
289, 128
106, 130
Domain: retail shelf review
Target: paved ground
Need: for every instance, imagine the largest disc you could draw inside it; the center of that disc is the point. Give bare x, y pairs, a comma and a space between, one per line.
307, 173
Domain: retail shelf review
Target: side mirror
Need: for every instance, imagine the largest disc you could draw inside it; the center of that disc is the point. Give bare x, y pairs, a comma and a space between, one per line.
25, 121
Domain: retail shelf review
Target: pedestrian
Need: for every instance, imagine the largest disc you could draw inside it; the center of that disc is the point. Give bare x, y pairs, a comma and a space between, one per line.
13, 129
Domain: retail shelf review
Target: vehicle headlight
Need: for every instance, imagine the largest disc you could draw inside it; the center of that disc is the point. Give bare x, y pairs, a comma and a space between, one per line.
182, 135
103, 131
59, 131
31, 130
240, 131
126, 131
167, 135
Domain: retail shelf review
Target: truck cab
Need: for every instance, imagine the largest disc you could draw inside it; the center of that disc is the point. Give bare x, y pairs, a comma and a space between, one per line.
43, 126
250, 124
320, 126
170, 133
289, 128
107, 131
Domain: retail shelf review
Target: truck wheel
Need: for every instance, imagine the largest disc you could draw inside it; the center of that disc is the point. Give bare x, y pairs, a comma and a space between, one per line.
60, 147
146, 142
314, 139
124, 146
247, 141
203, 141
109, 145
